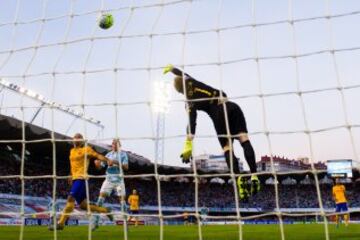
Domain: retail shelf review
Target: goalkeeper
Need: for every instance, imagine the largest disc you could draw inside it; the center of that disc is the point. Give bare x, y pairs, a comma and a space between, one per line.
79, 162
212, 101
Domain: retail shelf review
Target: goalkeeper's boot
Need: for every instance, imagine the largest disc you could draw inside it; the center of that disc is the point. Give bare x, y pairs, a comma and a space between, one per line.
110, 215
243, 192
255, 184
58, 227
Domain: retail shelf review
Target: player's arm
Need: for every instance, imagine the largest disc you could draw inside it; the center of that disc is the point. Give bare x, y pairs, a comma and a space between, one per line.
344, 190
125, 161
92, 153
129, 200
175, 71
69, 180
191, 128
186, 154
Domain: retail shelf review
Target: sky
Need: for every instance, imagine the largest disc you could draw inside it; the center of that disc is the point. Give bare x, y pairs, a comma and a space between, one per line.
57, 49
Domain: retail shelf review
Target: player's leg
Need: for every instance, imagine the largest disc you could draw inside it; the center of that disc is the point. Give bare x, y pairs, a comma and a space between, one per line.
83, 203
346, 219
136, 220
231, 158
220, 125
249, 155
232, 162
337, 216
100, 201
69, 207
121, 193
238, 127
105, 191
93, 208
346, 215
75, 192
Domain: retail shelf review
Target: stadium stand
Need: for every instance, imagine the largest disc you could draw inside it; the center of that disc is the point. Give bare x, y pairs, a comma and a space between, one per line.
296, 194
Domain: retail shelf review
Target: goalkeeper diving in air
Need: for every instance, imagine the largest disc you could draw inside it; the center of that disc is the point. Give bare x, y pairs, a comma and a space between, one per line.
201, 97
79, 162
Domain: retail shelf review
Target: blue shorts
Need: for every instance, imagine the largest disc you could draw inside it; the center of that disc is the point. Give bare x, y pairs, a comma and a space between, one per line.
341, 207
78, 190
134, 211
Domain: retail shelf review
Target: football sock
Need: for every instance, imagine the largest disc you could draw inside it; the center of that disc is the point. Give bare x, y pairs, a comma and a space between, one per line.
249, 155
69, 207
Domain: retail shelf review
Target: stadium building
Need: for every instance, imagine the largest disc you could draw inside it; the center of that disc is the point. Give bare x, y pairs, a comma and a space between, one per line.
283, 164
210, 162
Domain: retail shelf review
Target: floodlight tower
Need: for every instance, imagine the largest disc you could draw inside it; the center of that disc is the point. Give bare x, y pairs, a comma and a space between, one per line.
160, 106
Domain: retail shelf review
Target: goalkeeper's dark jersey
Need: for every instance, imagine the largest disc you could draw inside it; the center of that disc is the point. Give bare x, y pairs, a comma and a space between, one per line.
205, 98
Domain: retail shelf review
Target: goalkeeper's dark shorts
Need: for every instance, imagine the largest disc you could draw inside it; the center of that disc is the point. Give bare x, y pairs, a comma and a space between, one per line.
236, 120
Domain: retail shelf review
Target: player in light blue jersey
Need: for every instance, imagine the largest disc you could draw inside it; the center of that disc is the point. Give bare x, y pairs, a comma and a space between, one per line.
114, 180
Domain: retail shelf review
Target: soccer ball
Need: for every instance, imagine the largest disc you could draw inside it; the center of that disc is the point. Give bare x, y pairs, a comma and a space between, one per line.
105, 21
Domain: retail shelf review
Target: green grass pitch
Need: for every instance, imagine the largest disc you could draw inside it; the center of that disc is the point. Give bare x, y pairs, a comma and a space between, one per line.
228, 232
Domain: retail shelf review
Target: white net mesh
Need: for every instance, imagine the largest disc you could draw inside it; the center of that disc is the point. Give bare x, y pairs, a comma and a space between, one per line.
290, 65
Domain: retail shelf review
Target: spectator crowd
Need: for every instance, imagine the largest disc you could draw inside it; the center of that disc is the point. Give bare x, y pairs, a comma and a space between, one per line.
173, 193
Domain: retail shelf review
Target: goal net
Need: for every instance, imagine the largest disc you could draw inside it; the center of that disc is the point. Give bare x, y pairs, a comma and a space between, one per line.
290, 65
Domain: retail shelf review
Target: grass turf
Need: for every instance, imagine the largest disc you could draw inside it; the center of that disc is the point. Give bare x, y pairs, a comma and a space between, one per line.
227, 232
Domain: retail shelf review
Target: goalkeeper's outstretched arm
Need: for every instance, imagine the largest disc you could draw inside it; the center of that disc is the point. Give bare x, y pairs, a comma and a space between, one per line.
175, 71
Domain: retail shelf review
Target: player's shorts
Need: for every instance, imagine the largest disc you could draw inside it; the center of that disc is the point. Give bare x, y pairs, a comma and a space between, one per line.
78, 190
236, 120
136, 211
108, 187
341, 207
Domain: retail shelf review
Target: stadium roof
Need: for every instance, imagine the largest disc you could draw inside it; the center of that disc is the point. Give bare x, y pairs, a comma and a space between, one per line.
41, 146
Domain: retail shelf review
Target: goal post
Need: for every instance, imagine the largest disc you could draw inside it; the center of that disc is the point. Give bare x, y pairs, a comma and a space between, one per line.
288, 65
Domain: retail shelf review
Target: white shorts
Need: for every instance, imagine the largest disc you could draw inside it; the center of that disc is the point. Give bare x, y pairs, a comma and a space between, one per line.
108, 187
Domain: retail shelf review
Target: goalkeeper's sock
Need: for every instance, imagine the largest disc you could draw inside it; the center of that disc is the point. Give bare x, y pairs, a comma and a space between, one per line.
249, 155
235, 161
69, 207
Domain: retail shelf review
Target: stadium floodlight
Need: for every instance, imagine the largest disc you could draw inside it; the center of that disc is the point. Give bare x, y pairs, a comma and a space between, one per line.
160, 105
161, 97
38, 97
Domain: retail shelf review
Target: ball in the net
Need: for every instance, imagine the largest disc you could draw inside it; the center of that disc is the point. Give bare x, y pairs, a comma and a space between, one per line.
106, 20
